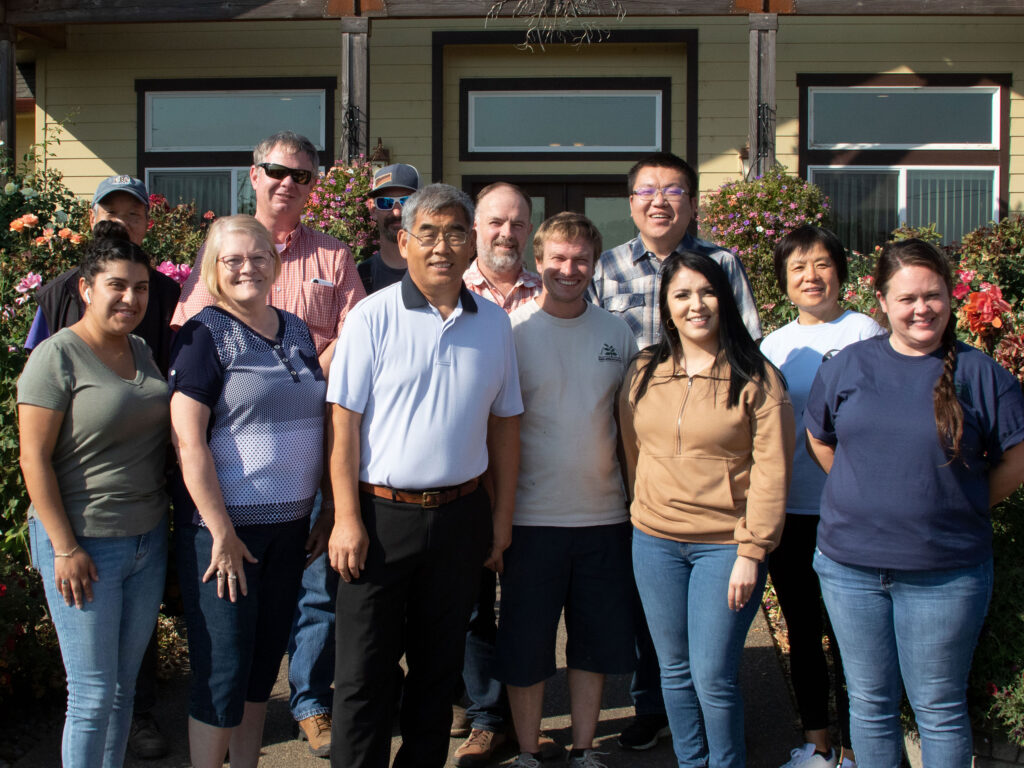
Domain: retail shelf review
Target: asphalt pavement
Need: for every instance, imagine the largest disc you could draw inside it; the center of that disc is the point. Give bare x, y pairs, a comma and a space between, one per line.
771, 723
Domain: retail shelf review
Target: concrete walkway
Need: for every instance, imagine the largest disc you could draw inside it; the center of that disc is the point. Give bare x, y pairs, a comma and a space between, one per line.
770, 720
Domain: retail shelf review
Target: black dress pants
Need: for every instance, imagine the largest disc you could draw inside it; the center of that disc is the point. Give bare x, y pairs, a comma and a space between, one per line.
414, 596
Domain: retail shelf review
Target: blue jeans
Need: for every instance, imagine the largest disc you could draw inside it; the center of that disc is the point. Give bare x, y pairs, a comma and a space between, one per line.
102, 643
918, 625
684, 588
311, 645
488, 703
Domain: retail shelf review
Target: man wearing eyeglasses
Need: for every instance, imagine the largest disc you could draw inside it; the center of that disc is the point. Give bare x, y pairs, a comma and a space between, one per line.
320, 284
663, 203
425, 397
391, 187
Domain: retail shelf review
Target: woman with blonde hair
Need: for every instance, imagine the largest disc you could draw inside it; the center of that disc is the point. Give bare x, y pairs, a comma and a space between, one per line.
247, 415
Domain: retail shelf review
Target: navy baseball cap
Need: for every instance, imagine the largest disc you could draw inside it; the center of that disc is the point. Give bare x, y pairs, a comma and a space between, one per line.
128, 184
398, 175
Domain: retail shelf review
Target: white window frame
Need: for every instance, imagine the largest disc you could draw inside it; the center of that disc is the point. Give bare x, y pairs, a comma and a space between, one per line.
992, 90
319, 141
562, 94
901, 183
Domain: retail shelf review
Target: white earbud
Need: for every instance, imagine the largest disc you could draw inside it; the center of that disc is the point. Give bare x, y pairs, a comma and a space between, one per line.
88, 296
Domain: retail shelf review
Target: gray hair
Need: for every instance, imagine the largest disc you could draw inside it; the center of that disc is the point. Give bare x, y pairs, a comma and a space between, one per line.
288, 140
434, 198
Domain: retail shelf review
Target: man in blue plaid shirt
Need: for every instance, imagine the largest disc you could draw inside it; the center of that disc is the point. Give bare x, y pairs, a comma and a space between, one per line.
662, 202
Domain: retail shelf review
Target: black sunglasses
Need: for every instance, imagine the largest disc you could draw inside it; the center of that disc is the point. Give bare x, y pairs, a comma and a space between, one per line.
387, 203
279, 172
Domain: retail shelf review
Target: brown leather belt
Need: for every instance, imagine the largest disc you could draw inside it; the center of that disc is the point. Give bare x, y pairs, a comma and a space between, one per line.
426, 499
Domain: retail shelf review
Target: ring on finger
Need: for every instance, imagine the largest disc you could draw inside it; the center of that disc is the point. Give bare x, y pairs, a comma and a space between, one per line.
233, 576
221, 574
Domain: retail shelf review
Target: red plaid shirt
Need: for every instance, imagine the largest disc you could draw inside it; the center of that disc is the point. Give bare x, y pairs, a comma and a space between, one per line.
527, 286
307, 255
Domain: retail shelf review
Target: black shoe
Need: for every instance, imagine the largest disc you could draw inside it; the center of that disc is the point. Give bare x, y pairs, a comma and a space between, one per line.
644, 732
145, 740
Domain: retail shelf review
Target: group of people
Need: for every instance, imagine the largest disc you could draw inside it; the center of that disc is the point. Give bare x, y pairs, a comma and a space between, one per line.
609, 436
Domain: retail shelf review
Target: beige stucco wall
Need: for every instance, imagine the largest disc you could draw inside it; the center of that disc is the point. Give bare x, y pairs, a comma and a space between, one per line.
91, 83
976, 45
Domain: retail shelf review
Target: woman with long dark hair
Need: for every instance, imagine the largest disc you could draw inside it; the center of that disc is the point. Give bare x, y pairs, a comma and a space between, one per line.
707, 430
920, 435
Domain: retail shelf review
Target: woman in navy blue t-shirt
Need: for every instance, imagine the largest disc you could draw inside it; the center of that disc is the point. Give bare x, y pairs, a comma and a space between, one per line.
920, 435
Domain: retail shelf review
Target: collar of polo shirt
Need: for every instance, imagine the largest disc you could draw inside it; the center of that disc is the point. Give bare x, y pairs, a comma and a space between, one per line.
412, 297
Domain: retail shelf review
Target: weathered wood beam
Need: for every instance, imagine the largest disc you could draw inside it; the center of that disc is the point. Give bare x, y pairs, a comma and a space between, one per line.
39, 12
761, 91
899, 7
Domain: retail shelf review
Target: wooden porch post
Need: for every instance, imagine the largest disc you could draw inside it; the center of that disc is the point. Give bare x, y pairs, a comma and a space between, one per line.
355, 102
7, 115
761, 87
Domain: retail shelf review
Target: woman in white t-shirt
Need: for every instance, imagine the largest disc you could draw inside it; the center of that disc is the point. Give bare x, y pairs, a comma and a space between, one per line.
810, 265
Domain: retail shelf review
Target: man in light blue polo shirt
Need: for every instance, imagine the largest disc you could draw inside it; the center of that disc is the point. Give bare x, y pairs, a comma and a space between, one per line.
425, 390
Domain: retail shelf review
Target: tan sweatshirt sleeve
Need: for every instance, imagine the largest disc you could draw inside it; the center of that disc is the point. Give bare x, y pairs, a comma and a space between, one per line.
627, 432
772, 427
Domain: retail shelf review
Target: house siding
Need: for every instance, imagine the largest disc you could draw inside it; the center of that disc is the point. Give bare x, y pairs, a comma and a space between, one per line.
92, 90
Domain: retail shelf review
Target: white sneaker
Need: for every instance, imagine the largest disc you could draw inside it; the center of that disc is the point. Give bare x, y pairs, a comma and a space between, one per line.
525, 760
805, 757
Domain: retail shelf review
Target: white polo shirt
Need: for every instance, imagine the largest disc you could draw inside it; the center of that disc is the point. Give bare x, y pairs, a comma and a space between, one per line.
424, 385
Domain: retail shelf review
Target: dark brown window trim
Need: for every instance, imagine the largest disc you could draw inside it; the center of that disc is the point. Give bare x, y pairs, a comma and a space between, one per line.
440, 40
224, 159
999, 157
663, 84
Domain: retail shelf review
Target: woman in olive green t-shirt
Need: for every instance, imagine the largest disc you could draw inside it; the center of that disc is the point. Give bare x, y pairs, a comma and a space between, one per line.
94, 427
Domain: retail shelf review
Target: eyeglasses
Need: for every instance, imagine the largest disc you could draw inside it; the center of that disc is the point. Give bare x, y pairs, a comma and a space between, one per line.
387, 203
258, 261
649, 193
279, 172
454, 238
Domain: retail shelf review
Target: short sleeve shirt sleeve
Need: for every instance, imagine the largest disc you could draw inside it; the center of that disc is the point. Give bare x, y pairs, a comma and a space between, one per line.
509, 401
46, 380
196, 368
352, 365
819, 413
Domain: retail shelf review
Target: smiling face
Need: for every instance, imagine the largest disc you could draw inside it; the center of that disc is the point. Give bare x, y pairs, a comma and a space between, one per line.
117, 298
502, 230
812, 284
437, 270
388, 222
693, 308
249, 283
282, 199
916, 302
662, 221
566, 268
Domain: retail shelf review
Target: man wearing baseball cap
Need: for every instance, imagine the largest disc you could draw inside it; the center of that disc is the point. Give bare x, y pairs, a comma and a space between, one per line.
121, 200
392, 186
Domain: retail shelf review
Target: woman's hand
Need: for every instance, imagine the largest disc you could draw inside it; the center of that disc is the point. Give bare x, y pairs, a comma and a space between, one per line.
742, 581
74, 577
226, 565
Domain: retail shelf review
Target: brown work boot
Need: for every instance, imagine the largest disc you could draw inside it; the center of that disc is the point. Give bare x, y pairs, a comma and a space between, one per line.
478, 749
317, 731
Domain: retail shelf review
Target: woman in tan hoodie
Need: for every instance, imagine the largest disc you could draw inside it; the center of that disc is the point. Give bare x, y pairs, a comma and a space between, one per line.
707, 430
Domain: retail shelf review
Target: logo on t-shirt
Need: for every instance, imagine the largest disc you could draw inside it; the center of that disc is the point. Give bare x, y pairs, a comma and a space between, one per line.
608, 353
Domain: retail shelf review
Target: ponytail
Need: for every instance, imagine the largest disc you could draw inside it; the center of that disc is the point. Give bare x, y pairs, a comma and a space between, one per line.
949, 414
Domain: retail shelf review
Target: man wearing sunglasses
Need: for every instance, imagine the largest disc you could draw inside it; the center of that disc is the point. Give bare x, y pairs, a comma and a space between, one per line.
391, 187
320, 284
663, 204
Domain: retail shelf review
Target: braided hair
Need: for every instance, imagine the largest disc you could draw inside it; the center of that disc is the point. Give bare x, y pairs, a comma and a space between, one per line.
949, 414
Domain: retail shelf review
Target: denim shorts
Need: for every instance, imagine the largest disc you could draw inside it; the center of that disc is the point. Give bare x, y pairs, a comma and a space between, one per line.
588, 571
235, 649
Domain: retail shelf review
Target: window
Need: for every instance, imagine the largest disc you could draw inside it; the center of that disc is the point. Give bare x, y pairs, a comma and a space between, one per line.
572, 118
197, 136
891, 150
